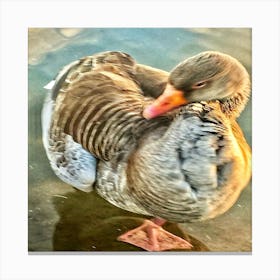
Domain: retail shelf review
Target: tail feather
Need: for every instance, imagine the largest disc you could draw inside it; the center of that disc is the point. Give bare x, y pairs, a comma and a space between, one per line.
72, 164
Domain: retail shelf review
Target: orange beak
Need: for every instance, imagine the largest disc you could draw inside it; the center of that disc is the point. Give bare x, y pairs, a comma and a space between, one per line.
171, 98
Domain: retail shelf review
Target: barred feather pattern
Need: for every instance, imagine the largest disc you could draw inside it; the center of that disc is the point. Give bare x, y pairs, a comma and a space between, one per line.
102, 110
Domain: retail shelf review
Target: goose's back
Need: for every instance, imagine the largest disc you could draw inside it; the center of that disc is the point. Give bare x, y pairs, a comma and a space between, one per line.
101, 107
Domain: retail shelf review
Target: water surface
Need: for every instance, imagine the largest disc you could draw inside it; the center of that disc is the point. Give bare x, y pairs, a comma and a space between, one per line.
61, 218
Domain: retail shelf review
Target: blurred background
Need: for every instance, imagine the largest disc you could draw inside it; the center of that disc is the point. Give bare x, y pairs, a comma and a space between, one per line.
61, 218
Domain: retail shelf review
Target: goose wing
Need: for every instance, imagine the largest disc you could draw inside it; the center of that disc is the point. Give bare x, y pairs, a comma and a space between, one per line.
70, 161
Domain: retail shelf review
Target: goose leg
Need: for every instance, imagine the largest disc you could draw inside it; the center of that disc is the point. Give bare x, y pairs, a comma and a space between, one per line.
150, 236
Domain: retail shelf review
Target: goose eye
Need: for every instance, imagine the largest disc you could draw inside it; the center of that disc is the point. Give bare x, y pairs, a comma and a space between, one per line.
198, 85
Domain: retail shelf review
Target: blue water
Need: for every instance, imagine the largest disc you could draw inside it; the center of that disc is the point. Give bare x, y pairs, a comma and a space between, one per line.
55, 209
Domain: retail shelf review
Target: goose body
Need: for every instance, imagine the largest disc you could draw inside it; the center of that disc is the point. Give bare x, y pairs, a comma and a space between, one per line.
188, 164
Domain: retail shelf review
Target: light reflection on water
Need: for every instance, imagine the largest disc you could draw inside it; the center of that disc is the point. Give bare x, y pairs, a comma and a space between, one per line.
61, 218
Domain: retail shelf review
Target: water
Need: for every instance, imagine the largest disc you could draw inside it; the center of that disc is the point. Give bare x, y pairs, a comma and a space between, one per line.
61, 218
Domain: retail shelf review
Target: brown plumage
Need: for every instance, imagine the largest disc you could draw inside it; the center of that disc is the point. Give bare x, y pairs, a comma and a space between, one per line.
107, 91
189, 164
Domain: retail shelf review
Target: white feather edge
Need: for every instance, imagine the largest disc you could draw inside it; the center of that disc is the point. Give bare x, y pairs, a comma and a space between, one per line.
49, 85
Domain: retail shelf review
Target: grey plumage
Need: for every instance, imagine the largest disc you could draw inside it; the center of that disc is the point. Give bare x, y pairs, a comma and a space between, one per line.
190, 164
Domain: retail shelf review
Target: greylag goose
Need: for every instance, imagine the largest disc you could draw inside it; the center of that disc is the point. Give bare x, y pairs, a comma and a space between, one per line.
179, 164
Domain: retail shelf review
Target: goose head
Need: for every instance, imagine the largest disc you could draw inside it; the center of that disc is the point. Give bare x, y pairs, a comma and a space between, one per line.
208, 76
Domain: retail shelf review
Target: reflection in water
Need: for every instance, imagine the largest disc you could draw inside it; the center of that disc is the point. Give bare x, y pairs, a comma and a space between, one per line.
94, 225
61, 218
